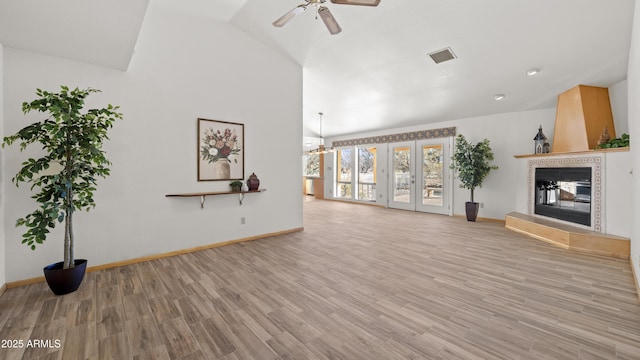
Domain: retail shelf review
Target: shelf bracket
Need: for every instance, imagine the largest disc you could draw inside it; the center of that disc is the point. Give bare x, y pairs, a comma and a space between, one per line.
241, 197
202, 197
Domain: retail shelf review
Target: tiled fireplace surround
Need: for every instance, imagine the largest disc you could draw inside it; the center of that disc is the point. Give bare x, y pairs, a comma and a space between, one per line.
595, 162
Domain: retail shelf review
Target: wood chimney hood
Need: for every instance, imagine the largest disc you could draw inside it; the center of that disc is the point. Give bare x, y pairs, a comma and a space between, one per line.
581, 116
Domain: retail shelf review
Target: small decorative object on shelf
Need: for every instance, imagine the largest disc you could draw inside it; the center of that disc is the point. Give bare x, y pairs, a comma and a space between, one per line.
605, 137
253, 182
244, 188
236, 186
540, 141
621, 142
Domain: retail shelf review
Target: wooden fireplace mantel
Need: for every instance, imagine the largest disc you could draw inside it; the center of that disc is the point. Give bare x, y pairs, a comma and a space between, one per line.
571, 153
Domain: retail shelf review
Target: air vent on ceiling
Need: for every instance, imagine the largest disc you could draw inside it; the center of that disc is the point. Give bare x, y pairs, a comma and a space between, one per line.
442, 55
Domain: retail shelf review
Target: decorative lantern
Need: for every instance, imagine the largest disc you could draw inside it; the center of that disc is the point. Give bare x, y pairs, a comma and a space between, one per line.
539, 142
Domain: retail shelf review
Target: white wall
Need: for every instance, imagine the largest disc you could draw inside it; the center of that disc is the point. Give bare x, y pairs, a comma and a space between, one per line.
619, 107
633, 79
617, 208
3, 188
510, 134
183, 68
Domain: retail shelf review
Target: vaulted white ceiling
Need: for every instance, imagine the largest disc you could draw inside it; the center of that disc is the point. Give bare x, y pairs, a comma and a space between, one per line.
375, 74
97, 32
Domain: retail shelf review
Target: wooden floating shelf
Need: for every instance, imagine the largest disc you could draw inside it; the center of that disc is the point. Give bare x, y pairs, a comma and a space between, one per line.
621, 149
569, 237
203, 195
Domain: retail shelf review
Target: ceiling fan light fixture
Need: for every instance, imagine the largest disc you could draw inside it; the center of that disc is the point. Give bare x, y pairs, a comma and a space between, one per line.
357, 2
329, 21
322, 11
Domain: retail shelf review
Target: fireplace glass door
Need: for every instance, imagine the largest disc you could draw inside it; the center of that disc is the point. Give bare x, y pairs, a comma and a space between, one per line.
564, 194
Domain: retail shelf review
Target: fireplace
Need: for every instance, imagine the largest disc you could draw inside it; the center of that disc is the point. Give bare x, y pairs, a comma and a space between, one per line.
575, 182
564, 193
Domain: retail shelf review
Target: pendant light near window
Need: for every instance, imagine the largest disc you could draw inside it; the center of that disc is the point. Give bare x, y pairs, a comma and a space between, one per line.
321, 149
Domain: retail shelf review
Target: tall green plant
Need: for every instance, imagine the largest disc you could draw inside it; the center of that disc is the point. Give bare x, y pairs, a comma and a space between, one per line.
471, 162
73, 141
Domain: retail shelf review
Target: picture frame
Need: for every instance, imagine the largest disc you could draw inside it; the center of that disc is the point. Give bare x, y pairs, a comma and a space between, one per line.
220, 150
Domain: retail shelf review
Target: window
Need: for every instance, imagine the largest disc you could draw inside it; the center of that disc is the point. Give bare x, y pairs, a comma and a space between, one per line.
356, 173
367, 173
311, 165
343, 173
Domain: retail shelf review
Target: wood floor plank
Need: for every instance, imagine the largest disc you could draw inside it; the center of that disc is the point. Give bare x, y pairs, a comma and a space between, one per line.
163, 308
248, 345
178, 338
212, 338
156, 353
288, 347
359, 282
80, 342
143, 334
114, 346
110, 321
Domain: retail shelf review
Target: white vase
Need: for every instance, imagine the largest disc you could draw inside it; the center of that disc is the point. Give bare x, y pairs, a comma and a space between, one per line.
222, 169
245, 187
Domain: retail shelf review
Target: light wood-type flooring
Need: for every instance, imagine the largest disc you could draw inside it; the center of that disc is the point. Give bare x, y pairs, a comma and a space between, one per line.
360, 282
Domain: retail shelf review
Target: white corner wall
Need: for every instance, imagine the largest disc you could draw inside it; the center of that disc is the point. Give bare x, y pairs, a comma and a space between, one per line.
183, 68
633, 80
619, 107
3, 188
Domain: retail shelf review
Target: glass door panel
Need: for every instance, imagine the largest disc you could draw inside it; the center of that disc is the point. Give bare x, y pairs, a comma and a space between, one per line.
402, 176
434, 175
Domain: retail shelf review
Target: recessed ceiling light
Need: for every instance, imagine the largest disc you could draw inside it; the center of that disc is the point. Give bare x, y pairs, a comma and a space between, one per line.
499, 97
533, 72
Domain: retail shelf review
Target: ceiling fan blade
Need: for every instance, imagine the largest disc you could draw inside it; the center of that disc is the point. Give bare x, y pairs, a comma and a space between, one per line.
288, 16
357, 2
329, 21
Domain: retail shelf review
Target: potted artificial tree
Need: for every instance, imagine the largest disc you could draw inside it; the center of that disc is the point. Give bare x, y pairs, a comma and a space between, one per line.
471, 163
65, 175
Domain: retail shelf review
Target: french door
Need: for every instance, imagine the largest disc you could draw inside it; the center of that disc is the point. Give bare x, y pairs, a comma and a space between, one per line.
420, 178
402, 175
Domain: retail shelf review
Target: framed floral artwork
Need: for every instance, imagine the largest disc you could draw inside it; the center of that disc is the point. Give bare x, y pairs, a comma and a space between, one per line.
220, 150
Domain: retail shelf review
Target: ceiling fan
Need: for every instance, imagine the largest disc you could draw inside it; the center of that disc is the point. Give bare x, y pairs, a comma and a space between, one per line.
323, 11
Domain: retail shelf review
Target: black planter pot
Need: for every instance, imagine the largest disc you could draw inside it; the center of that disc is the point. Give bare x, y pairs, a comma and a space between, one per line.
472, 210
63, 281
